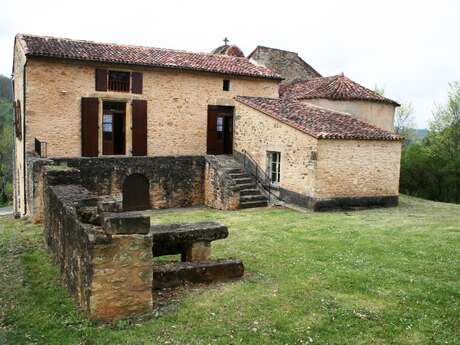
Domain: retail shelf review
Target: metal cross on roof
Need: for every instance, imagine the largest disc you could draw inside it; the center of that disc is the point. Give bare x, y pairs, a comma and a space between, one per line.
226, 40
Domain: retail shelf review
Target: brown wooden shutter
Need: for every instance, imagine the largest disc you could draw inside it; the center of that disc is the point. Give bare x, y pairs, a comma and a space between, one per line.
89, 126
101, 79
18, 119
136, 82
139, 128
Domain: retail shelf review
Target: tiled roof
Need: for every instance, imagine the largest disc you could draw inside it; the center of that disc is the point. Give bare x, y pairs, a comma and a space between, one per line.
337, 87
318, 122
64, 48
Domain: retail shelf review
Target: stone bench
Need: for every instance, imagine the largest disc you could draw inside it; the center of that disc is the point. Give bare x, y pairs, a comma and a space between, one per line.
191, 240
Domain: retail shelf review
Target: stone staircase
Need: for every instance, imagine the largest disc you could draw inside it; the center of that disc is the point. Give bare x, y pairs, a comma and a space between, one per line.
250, 194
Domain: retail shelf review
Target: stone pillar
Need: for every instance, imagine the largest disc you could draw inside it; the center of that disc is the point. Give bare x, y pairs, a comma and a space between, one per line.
121, 283
198, 251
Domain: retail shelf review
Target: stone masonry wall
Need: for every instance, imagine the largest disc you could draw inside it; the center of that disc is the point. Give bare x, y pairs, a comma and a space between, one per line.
220, 191
357, 168
108, 269
174, 181
257, 133
378, 114
287, 64
177, 105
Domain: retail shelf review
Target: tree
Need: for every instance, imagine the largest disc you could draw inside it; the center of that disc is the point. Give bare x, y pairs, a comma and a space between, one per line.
431, 168
404, 122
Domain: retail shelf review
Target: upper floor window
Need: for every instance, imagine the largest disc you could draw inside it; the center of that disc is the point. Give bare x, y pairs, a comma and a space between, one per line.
119, 81
226, 85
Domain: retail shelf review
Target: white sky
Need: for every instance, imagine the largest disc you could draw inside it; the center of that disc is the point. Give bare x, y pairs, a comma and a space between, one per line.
411, 48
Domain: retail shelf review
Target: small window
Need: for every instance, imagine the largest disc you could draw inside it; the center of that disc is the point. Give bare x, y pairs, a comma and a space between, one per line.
119, 81
226, 86
274, 167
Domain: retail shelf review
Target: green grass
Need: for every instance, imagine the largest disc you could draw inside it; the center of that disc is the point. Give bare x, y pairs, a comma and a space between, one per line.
382, 276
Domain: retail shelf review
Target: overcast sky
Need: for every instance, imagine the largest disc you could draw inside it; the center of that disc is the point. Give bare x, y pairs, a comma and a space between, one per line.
410, 48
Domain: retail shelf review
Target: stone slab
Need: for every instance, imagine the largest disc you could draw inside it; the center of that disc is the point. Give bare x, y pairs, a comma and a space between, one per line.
125, 223
170, 239
178, 273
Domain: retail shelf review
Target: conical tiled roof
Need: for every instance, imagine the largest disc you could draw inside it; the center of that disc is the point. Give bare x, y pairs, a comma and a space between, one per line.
337, 87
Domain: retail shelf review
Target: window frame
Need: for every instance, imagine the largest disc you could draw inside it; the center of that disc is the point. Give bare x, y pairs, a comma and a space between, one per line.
275, 182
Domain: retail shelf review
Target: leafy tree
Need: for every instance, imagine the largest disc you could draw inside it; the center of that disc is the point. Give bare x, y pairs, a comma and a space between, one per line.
431, 168
6, 140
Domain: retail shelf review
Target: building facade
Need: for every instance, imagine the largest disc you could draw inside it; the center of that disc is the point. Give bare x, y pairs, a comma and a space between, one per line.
85, 99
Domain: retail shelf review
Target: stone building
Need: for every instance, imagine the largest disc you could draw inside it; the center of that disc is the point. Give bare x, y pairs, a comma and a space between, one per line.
287, 64
82, 100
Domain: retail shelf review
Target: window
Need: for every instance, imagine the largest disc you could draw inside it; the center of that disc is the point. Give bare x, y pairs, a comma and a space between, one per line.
274, 167
107, 125
119, 81
226, 86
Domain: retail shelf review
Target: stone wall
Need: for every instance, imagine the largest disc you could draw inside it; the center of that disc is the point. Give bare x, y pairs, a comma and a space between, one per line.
287, 64
357, 168
378, 114
174, 181
19, 68
257, 133
106, 265
220, 191
177, 105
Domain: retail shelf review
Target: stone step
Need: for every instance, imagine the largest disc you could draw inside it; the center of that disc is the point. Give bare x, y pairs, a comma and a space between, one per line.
249, 185
248, 191
233, 171
251, 204
255, 197
243, 180
239, 174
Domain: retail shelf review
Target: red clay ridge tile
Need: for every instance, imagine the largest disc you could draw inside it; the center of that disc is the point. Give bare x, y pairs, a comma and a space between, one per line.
320, 123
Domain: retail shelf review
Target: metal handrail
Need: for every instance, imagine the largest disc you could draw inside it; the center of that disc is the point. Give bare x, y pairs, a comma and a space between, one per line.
262, 178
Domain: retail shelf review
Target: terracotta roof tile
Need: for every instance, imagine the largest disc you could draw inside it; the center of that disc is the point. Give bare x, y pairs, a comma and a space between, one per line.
318, 122
64, 48
337, 87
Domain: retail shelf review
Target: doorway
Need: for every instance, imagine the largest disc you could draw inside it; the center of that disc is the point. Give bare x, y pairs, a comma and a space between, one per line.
220, 130
113, 128
136, 195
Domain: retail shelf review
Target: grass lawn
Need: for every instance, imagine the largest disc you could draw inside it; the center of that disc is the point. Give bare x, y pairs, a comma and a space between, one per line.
382, 276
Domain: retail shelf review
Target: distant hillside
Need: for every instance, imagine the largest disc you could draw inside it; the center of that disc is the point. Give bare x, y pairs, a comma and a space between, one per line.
421, 133
5, 88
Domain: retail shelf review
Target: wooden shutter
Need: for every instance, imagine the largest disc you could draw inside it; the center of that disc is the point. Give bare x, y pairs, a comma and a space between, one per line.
89, 126
139, 128
101, 79
136, 82
18, 119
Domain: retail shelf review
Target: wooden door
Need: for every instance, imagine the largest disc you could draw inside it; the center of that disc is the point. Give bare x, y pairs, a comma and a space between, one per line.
139, 128
89, 126
220, 130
